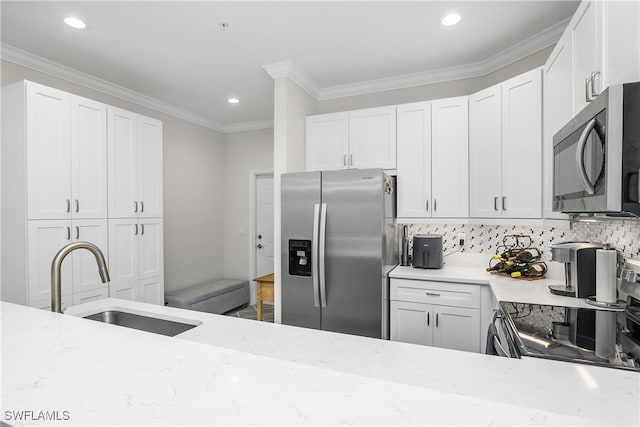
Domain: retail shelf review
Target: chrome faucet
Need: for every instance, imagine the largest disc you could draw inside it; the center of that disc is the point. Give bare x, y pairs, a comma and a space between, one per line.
56, 267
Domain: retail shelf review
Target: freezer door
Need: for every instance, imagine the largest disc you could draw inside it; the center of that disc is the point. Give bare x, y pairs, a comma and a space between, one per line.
300, 194
353, 273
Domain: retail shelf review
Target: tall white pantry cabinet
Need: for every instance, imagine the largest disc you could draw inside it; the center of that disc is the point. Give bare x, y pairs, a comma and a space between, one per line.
57, 174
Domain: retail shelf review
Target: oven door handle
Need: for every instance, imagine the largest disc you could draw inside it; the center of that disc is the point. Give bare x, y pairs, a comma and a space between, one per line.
582, 144
499, 349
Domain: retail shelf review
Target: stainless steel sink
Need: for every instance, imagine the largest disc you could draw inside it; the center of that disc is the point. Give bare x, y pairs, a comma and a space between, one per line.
143, 323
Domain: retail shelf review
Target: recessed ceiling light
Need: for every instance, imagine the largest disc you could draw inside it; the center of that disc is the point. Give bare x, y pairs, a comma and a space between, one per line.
450, 19
74, 22
233, 100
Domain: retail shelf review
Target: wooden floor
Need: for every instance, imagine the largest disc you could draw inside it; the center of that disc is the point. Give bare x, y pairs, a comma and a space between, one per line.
250, 313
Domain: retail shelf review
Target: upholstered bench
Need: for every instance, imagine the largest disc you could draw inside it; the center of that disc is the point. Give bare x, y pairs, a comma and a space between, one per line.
216, 296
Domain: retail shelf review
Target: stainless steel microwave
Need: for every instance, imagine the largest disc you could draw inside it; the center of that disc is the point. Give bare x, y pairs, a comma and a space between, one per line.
596, 156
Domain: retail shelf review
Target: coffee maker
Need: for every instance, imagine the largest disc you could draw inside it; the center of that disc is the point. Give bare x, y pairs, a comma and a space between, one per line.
579, 260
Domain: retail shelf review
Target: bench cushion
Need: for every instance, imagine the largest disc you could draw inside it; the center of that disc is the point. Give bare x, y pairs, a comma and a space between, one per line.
215, 296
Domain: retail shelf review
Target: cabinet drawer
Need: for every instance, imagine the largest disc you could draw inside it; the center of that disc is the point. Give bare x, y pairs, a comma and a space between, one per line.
441, 293
92, 295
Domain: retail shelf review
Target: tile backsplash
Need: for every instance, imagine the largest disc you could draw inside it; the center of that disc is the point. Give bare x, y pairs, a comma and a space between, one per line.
624, 235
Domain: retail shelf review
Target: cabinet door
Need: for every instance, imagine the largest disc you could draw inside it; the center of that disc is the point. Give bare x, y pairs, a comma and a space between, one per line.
485, 152
327, 142
85, 268
558, 110
621, 41
450, 157
150, 167
411, 322
150, 248
372, 138
586, 48
45, 239
123, 156
152, 291
88, 158
48, 153
414, 160
124, 243
457, 328
522, 146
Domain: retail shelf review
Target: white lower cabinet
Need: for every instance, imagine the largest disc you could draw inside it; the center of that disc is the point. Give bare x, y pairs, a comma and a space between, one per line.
438, 314
136, 259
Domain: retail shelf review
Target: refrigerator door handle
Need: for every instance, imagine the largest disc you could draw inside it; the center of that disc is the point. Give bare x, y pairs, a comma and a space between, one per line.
321, 254
315, 255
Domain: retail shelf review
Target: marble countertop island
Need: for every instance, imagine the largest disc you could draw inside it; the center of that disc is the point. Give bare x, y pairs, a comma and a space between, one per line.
235, 371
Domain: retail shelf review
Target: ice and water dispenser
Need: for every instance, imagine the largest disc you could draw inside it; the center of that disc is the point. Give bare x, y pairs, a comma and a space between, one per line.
300, 257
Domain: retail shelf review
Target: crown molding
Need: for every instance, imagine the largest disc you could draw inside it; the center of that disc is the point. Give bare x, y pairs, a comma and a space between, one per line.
247, 126
34, 62
520, 50
294, 73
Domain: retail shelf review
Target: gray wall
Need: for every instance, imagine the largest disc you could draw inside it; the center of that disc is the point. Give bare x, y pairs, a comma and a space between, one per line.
193, 190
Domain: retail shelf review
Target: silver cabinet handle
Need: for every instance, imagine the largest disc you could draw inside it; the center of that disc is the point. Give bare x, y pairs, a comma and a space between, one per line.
504, 203
495, 203
587, 90
436, 320
427, 205
433, 294
427, 318
68, 233
314, 253
77, 205
77, 232
141, 207
141, 229
350, 159
435, 207
135, 209
68, 205
321, 246
344, 160
594, 91
136, 232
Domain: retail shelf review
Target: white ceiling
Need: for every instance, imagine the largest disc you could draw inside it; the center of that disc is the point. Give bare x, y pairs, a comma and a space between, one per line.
175, 52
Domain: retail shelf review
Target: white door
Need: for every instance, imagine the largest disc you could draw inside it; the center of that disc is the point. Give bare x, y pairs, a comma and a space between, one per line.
48, 153
457, 328
414, 160
123, 170
85, 268
151, 291
88, 158
264, 239
411, 322
150, 168
326, 142
450, 157
123, 251
585, 51
372, 138
151, 258
485, 148
45, 239
557, 111
522, 146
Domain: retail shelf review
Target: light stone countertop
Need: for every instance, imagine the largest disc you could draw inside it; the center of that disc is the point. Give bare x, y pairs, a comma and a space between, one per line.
235, 371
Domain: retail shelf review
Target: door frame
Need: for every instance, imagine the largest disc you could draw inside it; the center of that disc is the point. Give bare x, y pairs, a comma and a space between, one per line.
254, 174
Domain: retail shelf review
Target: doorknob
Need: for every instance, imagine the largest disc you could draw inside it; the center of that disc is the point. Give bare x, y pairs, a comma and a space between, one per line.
259, 246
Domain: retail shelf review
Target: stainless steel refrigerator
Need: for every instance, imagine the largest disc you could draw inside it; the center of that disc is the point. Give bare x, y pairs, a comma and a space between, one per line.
339, 242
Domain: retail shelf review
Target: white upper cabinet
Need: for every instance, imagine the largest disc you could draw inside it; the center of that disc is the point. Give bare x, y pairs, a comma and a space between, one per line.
485, 147
450, 157
48, 149
135, 165
620, 41
586, 50
372, 138
505, 145
414, 160
354, 139
88, 158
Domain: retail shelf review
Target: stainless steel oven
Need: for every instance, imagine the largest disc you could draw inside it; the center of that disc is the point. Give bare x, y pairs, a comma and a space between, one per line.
596, 156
